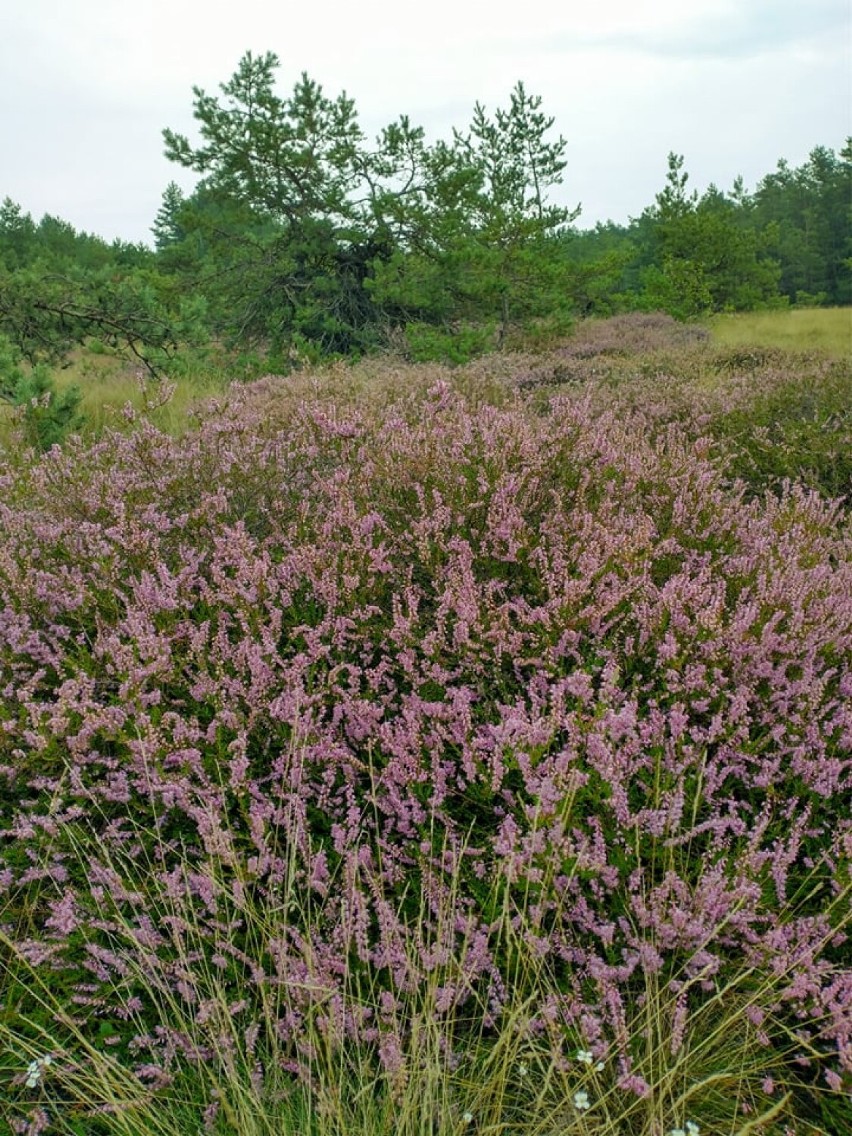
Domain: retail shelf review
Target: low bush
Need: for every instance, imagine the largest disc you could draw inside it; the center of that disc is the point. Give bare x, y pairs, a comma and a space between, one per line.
407, 763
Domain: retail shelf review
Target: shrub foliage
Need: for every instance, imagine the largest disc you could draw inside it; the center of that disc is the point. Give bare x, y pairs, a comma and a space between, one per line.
409, 691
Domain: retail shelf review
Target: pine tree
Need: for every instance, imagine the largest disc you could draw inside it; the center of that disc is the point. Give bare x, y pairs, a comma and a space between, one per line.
167, 227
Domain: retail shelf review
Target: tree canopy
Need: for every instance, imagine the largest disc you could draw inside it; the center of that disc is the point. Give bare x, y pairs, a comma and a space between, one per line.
302, 237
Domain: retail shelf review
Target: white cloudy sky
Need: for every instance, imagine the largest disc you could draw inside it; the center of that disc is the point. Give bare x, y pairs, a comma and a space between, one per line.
86, 86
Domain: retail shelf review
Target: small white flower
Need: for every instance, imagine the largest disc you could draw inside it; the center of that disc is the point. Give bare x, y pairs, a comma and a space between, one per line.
677, 1132
585, 1056
467, 1118
581, 1101
599, 1067
522, 1070
34, 1070
692, 1128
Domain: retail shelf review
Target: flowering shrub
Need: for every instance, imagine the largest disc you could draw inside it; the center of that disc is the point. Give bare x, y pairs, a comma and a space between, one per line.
774, 417
420, 693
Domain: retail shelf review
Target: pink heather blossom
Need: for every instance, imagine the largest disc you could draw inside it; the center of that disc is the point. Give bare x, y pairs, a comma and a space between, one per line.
63, 919
368, 660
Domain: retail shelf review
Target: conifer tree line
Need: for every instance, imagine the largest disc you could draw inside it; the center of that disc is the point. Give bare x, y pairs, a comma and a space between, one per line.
304, 238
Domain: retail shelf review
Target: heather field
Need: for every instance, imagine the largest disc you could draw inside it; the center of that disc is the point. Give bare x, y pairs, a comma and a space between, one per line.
417, 751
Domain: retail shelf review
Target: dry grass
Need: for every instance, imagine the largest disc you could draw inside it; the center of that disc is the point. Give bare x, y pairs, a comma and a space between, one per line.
110, 382
506, 1083
797, 329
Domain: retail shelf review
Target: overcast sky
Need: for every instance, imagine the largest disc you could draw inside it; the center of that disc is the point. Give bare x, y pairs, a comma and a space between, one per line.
86, 86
